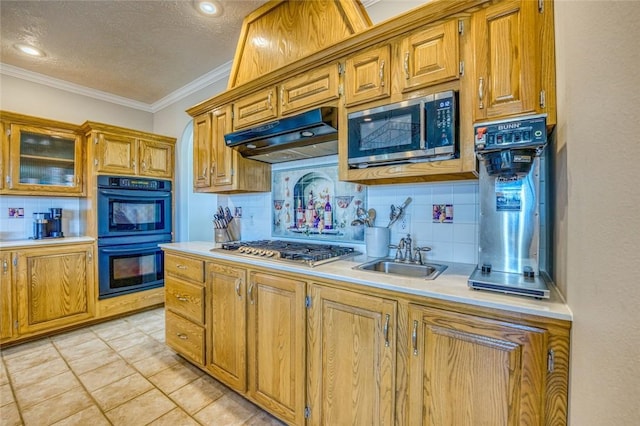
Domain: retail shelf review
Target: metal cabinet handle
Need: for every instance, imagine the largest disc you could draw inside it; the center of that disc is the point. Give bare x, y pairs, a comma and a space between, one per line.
414, 338
406, 65
251, 293
180, 266
90, 256
204, 172
182, 336
144, 165
238, 282
481, 93
386, 330
5, 266
269, 101
181, 298
282, 102
382, 73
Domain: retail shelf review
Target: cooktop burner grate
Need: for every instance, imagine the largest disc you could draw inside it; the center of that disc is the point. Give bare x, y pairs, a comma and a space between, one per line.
311, 254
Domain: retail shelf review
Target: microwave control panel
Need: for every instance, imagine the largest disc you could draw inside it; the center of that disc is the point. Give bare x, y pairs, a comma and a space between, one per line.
523, 132
440, 110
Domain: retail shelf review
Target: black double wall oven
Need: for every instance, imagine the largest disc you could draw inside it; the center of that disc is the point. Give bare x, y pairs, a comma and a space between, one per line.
134, 216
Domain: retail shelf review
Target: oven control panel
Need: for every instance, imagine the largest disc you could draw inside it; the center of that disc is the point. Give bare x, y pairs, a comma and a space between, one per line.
522, 132
117, 182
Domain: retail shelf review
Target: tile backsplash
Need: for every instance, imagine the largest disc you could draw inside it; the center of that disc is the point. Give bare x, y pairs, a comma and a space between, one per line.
19, 228
450, 242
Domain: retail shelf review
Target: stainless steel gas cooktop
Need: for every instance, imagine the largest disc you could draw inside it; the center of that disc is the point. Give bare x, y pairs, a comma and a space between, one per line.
310, 254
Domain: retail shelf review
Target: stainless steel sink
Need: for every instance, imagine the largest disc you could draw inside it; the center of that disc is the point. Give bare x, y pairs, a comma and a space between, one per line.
428, 271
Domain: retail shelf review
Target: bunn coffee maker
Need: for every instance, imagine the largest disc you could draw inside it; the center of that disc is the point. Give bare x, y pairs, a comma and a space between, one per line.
509, 249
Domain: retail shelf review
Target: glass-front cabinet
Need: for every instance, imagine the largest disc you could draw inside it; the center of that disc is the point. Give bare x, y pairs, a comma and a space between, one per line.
44, 160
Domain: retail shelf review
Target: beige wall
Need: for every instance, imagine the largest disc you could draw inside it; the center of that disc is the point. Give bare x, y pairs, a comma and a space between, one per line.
30, 98
598, 199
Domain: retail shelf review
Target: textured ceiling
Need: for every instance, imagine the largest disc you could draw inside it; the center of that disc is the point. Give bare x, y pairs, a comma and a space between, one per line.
140, 50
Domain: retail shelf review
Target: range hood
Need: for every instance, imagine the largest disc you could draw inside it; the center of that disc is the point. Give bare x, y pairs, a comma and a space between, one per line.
308, 135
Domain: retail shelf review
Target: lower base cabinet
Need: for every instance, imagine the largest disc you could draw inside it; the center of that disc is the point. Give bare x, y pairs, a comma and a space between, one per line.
55, 287
331, 353
351, 359
467, 370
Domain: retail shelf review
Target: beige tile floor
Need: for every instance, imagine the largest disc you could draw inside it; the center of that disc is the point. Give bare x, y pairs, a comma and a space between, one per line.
115, 373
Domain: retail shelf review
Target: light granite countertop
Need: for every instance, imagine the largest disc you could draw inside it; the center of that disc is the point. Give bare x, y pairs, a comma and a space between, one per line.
451, 285
29, 243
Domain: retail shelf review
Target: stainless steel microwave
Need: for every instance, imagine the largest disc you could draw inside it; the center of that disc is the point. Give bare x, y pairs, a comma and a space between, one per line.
422, 129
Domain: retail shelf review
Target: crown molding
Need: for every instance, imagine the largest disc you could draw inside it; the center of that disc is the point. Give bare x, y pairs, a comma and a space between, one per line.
35, 77
220, 73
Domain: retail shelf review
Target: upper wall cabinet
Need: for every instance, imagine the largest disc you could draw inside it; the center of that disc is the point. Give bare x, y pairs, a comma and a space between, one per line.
309, 89
430, 56
515, 72
117, 150
218, 168
367, 75
41, 157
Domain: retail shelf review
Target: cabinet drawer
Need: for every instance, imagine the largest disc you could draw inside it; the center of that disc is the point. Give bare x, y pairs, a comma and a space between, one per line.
311, 88
184, 267
185, 337
185, 299
256, 108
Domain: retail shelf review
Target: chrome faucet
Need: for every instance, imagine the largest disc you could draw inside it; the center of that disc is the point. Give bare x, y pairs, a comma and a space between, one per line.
404, 252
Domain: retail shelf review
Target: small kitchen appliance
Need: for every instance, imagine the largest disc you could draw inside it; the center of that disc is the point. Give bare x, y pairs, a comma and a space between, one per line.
47, 224
415, 130
510, 198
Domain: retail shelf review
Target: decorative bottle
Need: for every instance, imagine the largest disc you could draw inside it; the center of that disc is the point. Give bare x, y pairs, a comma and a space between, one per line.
310, 210
299, 214
328, 215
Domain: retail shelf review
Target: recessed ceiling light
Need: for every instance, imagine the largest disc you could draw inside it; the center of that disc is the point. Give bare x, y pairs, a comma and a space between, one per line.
28, 49
208, 7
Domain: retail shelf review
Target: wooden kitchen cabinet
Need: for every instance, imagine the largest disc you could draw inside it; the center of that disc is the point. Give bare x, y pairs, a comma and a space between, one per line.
184, 287
465, 369
276, 344
116, 150
367, 75
351, 357
55, 287
309, 89
41, 157
7, 305
218, 168
256, 108
227, 319
203, 162
514, 68
430, 56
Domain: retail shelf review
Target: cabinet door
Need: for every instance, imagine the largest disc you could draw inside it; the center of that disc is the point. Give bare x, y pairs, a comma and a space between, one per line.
256, 108
467, 370
116, 154
202, 151
6, 297
351, 359
226, 339
367, 76
45, 160
223, 155
156, 159
430, 56
311, 88
508, 57
55, 287
277, 344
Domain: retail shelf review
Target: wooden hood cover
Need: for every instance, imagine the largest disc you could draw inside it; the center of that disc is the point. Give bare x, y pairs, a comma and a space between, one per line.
282, 32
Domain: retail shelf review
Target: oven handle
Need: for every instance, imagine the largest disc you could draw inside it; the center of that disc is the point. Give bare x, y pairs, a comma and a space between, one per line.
133, 194
130, 250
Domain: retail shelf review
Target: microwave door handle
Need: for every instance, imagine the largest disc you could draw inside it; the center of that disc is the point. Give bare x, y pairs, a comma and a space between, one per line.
136, 195
423, 130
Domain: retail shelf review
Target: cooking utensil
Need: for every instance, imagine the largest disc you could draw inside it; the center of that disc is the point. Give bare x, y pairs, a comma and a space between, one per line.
398, 212
372, 216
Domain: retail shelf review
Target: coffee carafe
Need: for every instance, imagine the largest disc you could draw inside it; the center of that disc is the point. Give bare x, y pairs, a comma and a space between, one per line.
55, 223
41, 225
